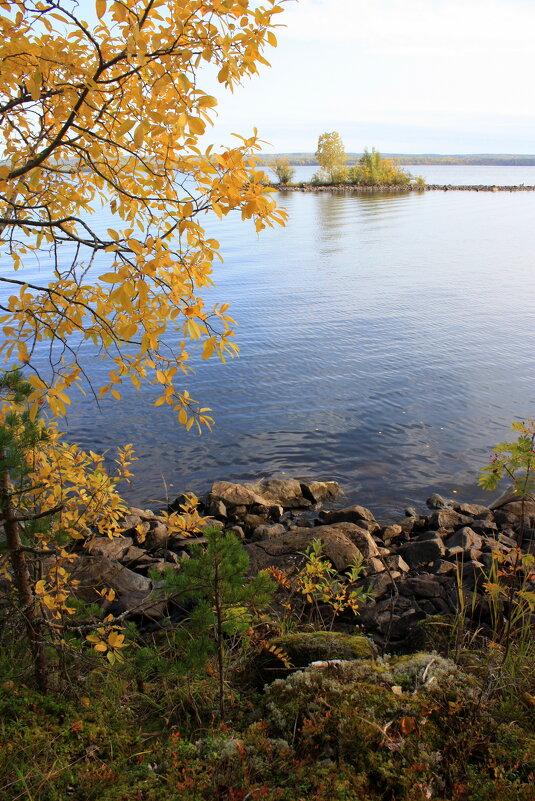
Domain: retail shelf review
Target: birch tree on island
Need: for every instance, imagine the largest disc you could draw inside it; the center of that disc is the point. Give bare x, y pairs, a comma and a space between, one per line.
331, 153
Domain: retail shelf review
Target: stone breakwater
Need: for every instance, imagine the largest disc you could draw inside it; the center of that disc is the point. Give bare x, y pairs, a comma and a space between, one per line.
358, 188
412, 567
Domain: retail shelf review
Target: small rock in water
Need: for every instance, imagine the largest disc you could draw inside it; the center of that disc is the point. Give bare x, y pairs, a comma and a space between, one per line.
436, 501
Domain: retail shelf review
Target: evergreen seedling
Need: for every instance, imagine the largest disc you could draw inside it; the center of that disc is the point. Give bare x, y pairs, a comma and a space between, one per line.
226, 601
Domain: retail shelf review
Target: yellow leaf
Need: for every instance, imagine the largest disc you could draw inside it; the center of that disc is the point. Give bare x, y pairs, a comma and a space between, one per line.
126, 126
139, 134
135, 245
101, 8
196, 125
208, 348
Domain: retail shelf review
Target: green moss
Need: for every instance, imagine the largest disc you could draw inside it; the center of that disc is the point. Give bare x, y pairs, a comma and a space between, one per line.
411, 725
306, 647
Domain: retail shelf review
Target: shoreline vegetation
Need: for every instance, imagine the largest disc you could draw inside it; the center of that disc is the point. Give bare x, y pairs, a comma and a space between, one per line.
358, 188
371, 172
354, 659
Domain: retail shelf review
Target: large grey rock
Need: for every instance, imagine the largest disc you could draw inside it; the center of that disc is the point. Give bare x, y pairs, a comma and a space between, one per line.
507, 496
448, 518
112, 548
424, 586
421, 552
265, 493
359, 536
232, 494
319, 491
515, 508
392, 531
285, 492
133, 591
437, 501
337, 547
266, 532
158, 537
462, 540
472, 509
350, 514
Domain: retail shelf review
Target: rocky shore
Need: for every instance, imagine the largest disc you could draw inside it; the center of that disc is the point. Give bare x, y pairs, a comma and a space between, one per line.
359, 188
413, 568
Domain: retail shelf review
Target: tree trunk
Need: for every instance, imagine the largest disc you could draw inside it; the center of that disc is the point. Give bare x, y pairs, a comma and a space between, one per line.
219, 639
32, 621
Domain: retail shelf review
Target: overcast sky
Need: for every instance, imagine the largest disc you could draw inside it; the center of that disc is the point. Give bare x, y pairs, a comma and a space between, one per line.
407, 76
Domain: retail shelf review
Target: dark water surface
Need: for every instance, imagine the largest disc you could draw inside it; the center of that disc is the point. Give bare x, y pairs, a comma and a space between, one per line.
386, 341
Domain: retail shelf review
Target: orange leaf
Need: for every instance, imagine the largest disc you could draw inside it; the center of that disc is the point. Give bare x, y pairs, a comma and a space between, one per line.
407, 725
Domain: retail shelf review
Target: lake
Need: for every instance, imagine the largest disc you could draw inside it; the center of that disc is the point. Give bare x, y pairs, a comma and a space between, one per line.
387, 341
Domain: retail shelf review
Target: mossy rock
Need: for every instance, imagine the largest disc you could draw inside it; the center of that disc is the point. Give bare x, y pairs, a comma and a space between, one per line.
383, 717
312, 646
299, 650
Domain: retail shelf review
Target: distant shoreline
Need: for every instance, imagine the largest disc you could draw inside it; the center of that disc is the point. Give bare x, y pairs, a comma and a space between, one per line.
397, 188
467, 160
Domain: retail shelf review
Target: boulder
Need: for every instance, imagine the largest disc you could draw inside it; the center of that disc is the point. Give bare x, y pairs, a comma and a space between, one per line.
424, 586
411, 511
396, 563
472, 509
515, 508
337, 547
238, 531
443, 568
158, 537
437, 501
265, 493
462, 540
319, 491
359, 536
285, 492
506, 497
133, 591
448, 518
144, 514
112, 548
378, 586
484, 525
350, 514
306, 647
232, 495
266, 532
421, 552
392, 531
215, 507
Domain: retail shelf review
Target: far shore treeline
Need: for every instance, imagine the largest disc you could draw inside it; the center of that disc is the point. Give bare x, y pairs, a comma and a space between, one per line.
505, 160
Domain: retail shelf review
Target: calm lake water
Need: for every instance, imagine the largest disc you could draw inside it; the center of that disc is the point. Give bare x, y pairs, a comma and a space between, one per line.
386, 342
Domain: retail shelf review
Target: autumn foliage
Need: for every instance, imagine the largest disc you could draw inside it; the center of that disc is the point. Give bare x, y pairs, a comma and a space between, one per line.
102, 111
108, 114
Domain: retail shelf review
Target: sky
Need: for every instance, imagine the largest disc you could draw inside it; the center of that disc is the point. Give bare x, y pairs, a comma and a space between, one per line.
404, 76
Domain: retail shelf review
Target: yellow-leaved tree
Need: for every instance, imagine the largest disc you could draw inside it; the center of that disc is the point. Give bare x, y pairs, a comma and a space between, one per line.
104, 109
110, 114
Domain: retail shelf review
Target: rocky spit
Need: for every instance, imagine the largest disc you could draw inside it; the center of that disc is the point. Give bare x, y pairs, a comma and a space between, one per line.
359, 188
413, 568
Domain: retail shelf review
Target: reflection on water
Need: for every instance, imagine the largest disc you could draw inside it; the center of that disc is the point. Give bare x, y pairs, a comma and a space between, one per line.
387, 342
